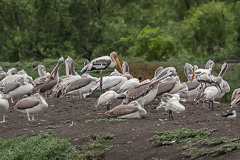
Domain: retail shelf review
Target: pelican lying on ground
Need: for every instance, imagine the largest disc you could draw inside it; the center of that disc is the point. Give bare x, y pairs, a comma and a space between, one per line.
107, 97
31, 105
4, 106
131, 110
171, 102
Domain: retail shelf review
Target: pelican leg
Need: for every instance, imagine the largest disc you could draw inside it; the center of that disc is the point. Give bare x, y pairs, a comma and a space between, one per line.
209, 105
212, 105
28, 115
12, 99
33, 119
101, 79
3, 119
45, 95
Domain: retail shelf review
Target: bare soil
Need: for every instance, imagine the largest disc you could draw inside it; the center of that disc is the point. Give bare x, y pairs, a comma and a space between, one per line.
66, 117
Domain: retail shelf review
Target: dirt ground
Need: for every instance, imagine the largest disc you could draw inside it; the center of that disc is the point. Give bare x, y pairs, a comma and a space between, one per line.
68, 115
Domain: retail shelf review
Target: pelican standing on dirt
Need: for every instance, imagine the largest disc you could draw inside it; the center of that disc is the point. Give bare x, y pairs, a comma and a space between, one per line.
107, 97
17, 90
171, 102
31, 105
4, 106
101, 64
230, 116
131, 110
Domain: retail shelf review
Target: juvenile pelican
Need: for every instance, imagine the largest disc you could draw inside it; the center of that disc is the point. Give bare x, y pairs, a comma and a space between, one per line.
131, 110
4, 106
31, 105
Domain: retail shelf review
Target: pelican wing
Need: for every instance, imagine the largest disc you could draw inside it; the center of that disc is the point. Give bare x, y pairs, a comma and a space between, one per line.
120, 111
165, 87
137, 92
27, 103
193, 85
10, 87
78, 84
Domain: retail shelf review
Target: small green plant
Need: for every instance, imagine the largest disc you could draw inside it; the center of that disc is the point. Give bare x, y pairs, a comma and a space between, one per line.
176, 136
105, 120
42, 146
95, 148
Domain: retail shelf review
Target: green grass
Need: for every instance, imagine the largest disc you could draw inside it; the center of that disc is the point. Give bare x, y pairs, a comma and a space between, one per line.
48, 146
198, 144
105, 120
180, 135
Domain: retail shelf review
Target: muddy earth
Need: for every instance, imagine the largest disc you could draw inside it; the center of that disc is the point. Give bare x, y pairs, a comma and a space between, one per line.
69, 115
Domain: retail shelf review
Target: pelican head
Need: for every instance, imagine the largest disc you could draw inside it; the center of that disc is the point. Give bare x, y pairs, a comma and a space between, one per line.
210, 64
125, 66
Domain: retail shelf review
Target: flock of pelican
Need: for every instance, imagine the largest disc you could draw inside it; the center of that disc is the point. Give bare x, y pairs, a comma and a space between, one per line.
202, 86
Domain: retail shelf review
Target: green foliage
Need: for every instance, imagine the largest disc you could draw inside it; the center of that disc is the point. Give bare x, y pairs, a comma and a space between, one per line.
180, 135
43, 146
151, 44
209, 27
95, 148
105, 120
47, 146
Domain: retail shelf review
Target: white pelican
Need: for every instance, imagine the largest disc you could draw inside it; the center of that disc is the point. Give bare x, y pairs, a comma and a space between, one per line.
31, 105
171, 102
188, 71
4, 106
3, 74
41, 70
17, 90
101, 63
45, 83
131, 110
125, 68
64, 81
110, 83
12, 71
80, 86
146, 92
20, 77
107, 97
199, 71
235, 100
230, 116
131, 83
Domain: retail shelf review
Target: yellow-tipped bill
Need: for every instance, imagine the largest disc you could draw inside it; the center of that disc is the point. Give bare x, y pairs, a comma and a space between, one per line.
118, 62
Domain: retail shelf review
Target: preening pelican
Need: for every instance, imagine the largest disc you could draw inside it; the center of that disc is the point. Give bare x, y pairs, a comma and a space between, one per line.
41, 70
131, 110
235, 100
31, 105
